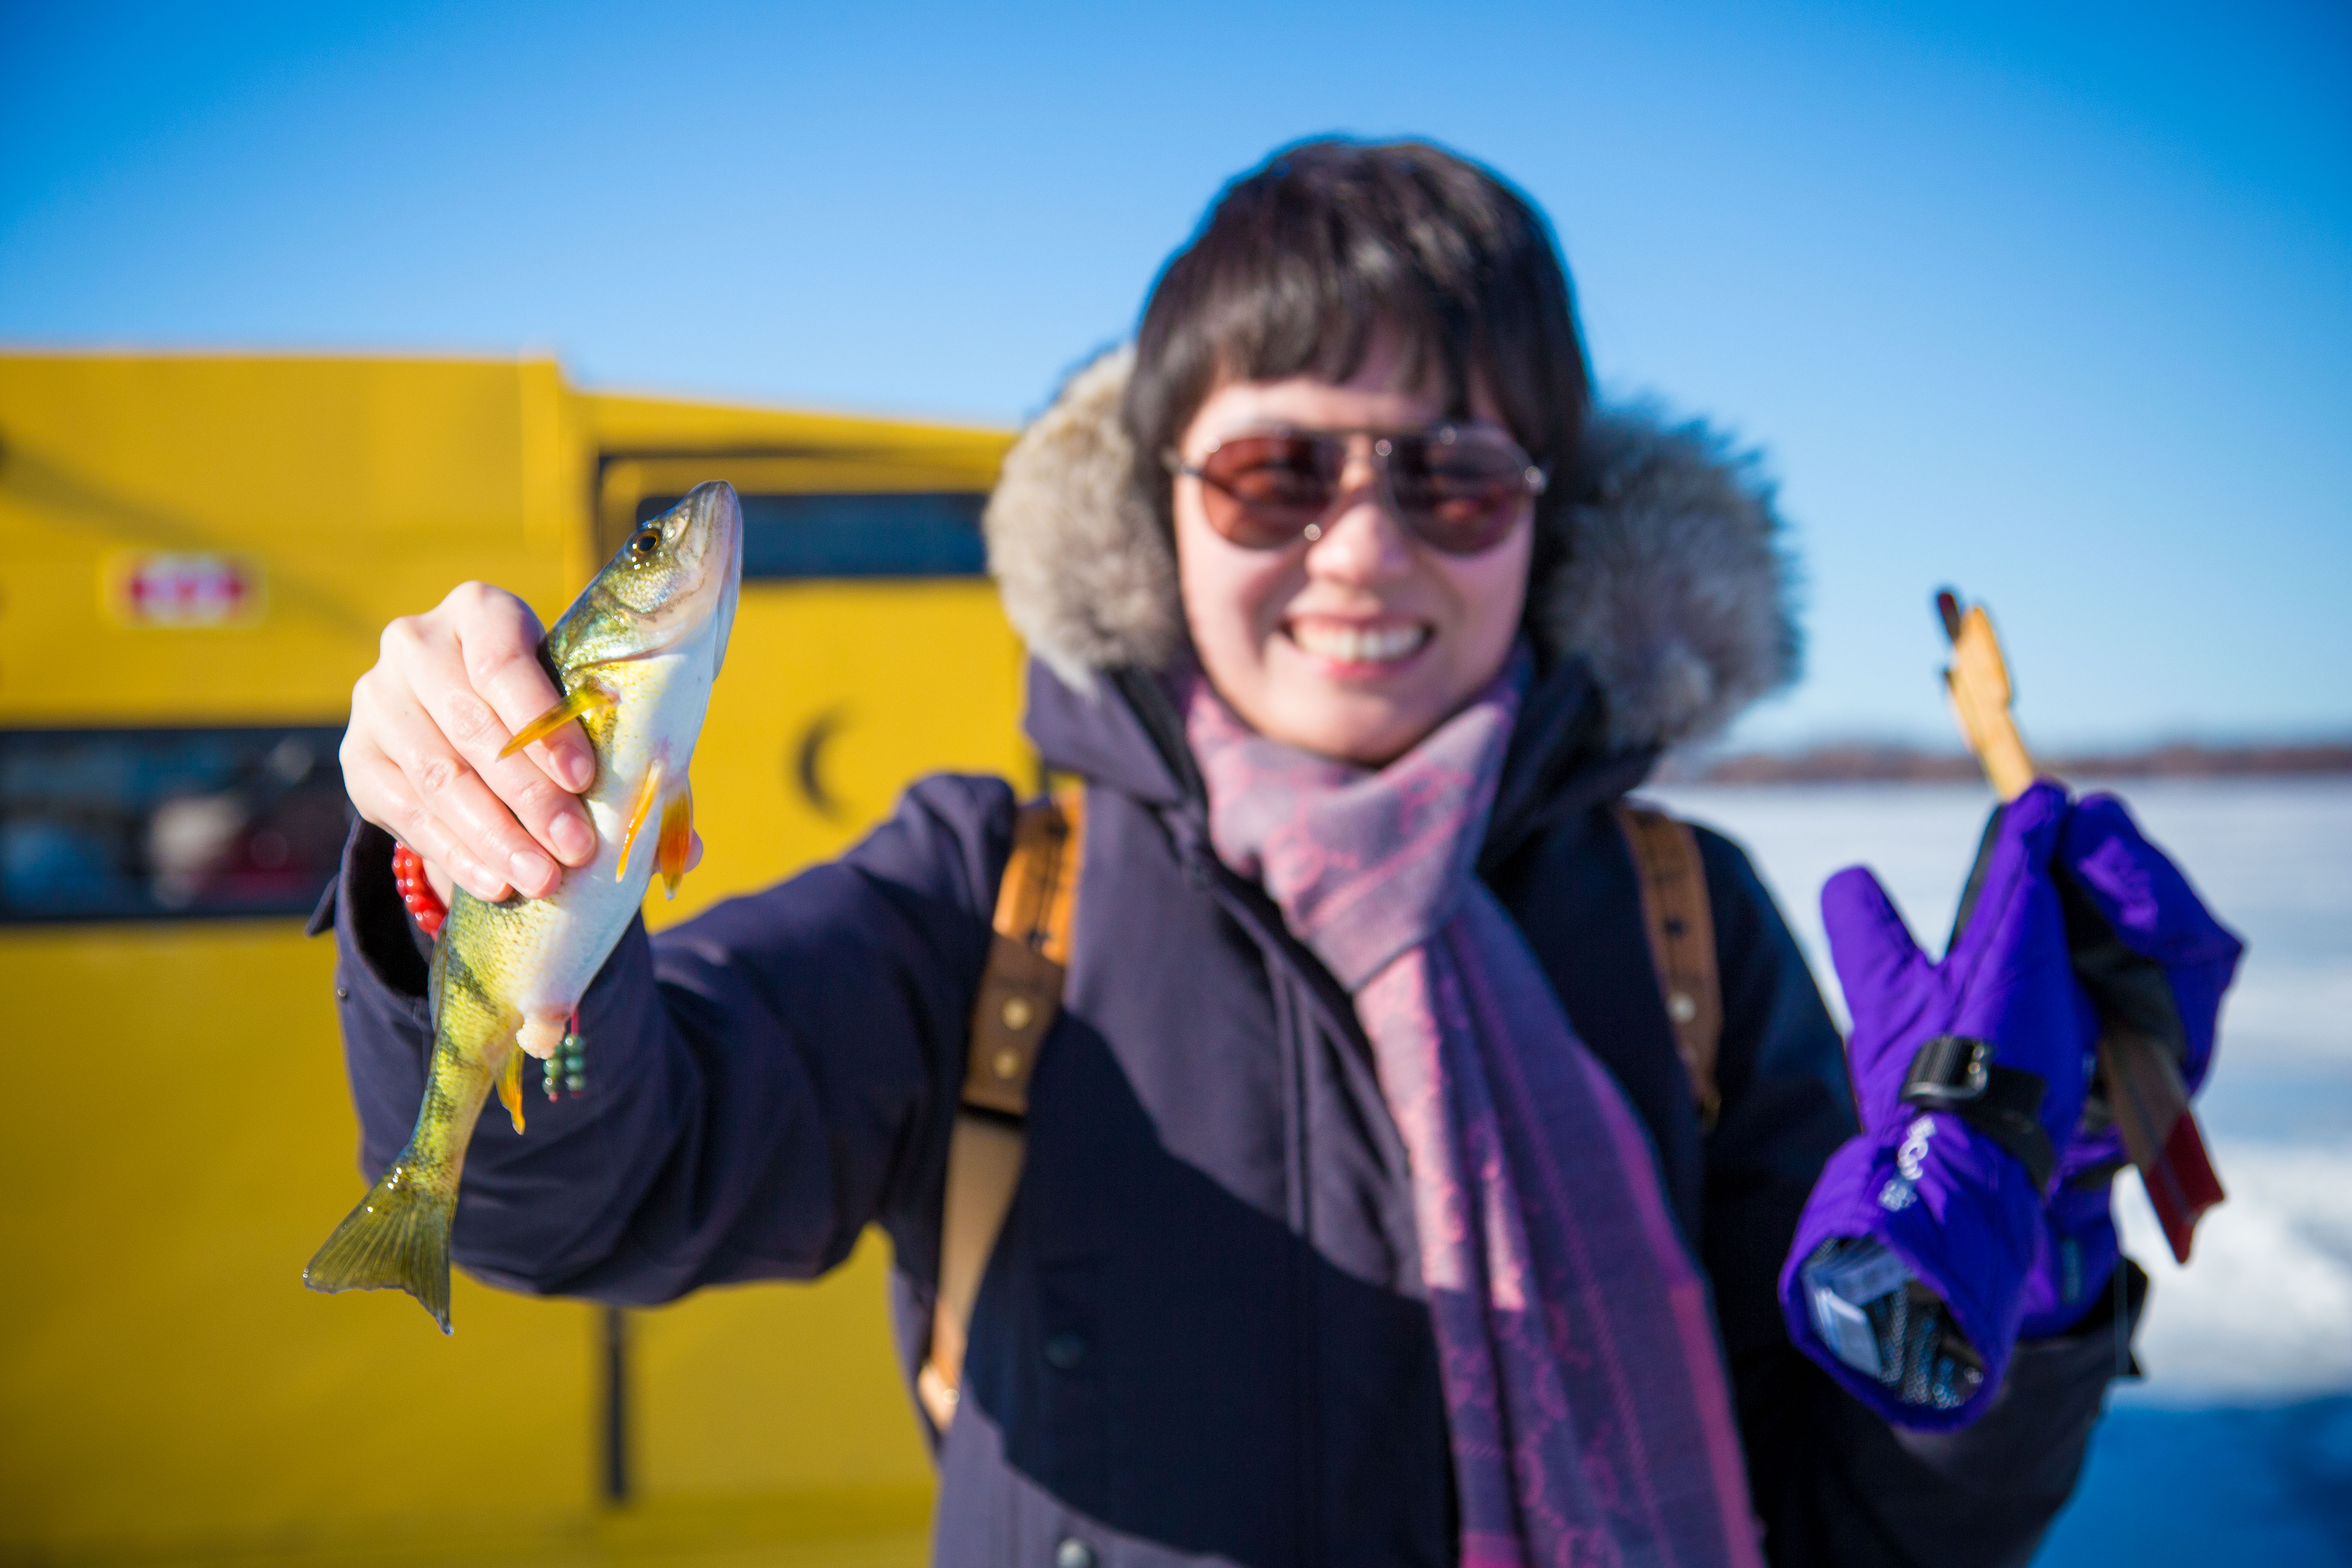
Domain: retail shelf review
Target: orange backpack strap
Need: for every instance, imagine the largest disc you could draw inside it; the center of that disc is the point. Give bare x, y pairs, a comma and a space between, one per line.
1020, 996
1682, 942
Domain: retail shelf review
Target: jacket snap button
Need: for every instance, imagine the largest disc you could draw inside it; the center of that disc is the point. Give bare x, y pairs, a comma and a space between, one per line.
1017, 1013
1682, 1007
1064, 1352
1073, 1554
1006, 1065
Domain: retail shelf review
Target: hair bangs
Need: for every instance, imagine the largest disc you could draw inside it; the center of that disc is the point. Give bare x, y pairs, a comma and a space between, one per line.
1308, 302
1302, 264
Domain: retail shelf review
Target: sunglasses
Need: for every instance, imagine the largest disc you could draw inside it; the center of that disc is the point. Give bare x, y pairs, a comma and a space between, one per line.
1457, 490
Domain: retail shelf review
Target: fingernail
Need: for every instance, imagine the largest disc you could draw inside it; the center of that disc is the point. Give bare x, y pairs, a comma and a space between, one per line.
578, 771
531, 869
572, 839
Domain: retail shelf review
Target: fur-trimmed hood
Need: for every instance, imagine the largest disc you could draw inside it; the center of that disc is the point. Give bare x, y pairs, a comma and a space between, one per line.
1673, 589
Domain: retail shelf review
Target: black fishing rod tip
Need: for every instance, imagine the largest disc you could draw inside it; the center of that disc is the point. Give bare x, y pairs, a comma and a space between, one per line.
1948, 609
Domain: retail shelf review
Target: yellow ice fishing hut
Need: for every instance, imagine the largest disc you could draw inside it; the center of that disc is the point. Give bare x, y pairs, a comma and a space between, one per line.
202, 552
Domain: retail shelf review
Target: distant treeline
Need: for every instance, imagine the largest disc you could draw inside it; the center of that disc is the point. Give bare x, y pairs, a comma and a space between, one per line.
1863, 761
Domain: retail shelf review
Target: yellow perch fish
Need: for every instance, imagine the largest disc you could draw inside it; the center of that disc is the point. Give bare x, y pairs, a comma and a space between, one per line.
635, 656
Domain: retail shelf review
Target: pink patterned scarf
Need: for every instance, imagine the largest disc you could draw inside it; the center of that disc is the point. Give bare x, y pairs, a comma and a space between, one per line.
1584, 1389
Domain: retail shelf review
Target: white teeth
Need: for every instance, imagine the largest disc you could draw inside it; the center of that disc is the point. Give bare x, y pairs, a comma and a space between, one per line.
1358, 645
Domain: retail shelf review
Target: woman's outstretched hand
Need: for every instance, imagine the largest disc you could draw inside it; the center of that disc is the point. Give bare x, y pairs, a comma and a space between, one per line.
421, 758
1969, 1074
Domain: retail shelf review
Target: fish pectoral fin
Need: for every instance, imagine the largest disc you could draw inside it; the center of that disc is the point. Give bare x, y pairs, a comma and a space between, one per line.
647, 793
511, 1085
587, 699
677, 838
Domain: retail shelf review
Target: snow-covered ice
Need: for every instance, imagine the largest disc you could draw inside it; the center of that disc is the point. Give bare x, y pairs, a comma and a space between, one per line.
2263, 1312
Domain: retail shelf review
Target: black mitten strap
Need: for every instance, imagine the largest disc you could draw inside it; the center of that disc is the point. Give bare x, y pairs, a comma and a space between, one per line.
1954, 1073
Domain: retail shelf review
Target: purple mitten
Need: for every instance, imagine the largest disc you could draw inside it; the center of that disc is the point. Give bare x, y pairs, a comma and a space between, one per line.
2154, 958
2079, 1248
2144, 943
1969, 1076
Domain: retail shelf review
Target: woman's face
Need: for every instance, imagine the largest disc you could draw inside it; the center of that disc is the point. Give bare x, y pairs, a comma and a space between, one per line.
1359, 643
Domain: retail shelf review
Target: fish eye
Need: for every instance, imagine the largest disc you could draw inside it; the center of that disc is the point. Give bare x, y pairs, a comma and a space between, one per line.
645, 541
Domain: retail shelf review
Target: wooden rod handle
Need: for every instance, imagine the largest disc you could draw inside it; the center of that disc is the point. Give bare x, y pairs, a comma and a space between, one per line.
1978, 678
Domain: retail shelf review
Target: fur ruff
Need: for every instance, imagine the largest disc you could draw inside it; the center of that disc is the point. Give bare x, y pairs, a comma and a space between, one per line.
1675, 587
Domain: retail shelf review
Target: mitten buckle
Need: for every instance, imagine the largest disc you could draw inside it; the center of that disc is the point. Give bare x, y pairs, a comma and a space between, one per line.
1949, 1071
1955, 1073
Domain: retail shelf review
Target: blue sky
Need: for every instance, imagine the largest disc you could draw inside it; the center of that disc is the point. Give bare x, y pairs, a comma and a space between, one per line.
2052, 302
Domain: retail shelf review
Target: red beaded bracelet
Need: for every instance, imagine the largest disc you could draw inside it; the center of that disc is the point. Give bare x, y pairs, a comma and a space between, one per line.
416, 890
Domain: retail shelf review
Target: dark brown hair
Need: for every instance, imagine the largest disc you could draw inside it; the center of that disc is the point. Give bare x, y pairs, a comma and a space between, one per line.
1304, 259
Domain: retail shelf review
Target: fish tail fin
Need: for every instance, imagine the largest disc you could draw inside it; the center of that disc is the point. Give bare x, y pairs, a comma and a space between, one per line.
398, 1238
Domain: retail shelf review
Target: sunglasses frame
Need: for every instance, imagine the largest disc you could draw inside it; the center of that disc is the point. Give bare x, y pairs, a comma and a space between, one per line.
1533, 480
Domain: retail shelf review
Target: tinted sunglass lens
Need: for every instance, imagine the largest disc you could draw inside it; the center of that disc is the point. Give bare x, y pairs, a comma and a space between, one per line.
1262, 491
1460, 495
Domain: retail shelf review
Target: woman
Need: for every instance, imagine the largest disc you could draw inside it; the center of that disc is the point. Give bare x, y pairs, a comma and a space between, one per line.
1367, 1205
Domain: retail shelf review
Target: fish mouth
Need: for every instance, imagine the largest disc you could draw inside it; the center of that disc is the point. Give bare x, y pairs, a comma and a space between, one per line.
706, 530
723, 500
704, 534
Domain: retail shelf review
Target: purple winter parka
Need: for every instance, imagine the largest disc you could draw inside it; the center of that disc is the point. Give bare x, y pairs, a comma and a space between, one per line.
1202, 1335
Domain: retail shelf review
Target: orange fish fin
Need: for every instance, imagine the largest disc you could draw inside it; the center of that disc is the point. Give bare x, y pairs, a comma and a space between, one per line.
511, 1085
677, 837
585, 700
647, 793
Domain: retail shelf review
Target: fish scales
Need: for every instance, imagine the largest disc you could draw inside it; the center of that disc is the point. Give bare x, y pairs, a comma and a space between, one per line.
634, 658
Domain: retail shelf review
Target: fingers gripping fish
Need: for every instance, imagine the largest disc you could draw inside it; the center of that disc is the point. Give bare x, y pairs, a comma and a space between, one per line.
635, 657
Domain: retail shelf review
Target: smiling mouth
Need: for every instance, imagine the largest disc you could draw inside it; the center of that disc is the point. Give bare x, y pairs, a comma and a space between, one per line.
1358, 645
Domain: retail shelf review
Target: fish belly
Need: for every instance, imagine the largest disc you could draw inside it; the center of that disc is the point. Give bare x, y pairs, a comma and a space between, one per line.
660, 714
